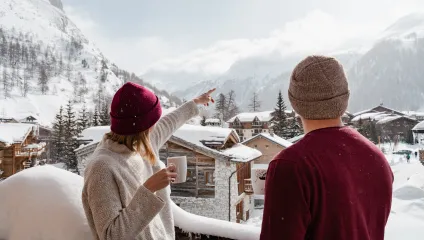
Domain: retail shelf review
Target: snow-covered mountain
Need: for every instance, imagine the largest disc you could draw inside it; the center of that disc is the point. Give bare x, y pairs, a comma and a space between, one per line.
388, 72
392, 71
265, 76
46, 60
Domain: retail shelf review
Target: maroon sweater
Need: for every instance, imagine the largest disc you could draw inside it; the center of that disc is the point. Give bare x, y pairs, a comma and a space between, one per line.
333, 184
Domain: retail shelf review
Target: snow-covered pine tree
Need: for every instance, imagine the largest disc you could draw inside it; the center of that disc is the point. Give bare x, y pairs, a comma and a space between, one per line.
104, 115
70, 138
83, 121
255, 103
294, 128
96, 118
280, 126
58, 137
5, 83
43, 79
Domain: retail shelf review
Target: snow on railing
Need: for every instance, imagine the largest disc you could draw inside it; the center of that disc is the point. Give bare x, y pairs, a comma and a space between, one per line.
189, 222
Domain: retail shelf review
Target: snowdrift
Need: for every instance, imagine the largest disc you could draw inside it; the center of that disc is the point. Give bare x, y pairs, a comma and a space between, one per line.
412, 189
44, 203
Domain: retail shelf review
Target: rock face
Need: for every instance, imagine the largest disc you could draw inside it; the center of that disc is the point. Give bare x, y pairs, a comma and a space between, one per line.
57, 3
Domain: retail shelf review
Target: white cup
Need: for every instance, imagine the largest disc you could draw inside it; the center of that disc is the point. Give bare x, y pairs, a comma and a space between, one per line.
180, 164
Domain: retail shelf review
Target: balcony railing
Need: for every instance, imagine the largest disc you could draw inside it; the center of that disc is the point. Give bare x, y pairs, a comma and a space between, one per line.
214, 228
30, 150
248, 189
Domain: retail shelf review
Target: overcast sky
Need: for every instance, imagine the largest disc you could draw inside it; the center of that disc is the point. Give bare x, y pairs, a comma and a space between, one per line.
211, 35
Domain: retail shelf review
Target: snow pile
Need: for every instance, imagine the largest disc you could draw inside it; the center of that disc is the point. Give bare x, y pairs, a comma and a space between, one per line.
14, 132
249, 117
43, 202
242, 153
201, 134
213, 120
46, 202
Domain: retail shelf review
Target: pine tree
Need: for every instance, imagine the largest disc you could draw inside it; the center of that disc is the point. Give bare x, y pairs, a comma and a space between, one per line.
5, 84
96, 118
104, 116
70, 128
221, 107
58, 136
83, 121
255, 104
373, 132
280, 126
232, 108
43, 79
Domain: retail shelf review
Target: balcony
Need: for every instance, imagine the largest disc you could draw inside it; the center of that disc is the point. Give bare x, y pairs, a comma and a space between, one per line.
30, 150
248, 189
209, 228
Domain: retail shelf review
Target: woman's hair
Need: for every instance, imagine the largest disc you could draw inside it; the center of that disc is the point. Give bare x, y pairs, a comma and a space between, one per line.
137, 143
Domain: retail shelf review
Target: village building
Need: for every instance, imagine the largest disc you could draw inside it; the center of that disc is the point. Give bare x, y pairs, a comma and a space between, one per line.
419, 116
268, 144
20, 147
218, 169
418, 132
380, 109
395, 128
251, 124
213, 122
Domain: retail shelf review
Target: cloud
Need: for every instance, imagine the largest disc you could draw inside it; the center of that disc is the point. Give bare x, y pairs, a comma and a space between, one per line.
133, 54
317, 32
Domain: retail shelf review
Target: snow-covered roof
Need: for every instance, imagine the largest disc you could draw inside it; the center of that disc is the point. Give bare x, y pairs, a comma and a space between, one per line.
204, 134
250, 116
419, 127
274, 138
392, 118
242, 153
414, 113
212, 120
14, 132
366, 116
94, 134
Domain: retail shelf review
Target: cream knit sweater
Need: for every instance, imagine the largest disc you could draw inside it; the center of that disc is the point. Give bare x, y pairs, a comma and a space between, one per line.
116, 203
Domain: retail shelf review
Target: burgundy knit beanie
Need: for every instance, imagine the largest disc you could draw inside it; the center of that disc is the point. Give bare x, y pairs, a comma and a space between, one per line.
134, 109
319, 89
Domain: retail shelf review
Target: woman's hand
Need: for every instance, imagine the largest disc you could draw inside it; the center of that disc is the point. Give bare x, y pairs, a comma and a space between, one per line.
205, 98
161, 179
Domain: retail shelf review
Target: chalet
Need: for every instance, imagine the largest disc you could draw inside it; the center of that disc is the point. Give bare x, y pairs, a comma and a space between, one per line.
19, 147
418, 132
419, 116
219, 167
395, 127
214, 122
251, 124
380, 109
268, 144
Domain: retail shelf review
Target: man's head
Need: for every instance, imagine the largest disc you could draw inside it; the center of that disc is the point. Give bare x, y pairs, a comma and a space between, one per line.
318, 89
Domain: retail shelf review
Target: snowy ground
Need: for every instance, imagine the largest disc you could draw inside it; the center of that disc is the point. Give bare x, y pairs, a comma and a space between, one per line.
406, 220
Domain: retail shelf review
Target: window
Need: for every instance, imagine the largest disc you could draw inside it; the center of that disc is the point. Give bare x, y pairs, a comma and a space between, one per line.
266, 146
256, 146
209, 178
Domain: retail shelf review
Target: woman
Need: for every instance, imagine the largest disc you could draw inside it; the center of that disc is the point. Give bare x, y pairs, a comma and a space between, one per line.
126, 194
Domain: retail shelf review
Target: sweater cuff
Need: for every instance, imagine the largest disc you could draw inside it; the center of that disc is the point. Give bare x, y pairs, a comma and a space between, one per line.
146, 204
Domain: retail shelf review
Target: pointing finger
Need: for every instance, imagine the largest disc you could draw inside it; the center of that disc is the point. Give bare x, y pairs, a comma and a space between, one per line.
211, 91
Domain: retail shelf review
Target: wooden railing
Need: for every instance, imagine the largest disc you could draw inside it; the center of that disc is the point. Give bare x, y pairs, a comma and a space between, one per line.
248, 189
29, 152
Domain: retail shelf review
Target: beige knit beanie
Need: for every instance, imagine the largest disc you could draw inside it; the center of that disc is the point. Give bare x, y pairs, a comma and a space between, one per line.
318, 88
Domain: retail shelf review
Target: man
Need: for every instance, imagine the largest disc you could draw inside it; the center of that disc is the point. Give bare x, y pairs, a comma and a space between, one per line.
334, 183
